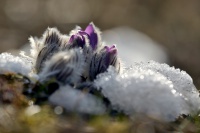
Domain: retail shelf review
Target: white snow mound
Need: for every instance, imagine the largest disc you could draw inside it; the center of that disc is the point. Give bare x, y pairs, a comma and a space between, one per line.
153, 89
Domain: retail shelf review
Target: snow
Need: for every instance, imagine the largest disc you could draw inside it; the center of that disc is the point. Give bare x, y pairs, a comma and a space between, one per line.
10, 63
182, 82
149, 92
75, 100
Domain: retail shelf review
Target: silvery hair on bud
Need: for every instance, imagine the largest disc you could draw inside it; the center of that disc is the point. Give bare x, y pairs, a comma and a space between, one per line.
43, 48
66, 67
100, 63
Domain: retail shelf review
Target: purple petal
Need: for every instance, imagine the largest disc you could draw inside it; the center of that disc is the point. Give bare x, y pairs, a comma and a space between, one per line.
71, 39
111, 50
77, 40
83, 33
90, 30
111, 53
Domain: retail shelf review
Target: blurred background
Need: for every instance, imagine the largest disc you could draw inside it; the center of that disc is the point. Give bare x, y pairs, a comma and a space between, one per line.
162, 30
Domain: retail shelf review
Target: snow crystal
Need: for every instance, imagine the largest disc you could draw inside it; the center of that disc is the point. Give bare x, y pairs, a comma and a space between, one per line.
75, 100
144, 91
182, 82
10, 63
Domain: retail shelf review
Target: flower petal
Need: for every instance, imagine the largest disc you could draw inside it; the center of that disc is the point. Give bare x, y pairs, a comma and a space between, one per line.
77, 41
90, 30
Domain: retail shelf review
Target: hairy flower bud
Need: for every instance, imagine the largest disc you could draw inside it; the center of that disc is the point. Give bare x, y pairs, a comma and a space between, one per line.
43, 55
80, 37
66, 67
77, 41
102, 60
44, 48
88, 40
92, 35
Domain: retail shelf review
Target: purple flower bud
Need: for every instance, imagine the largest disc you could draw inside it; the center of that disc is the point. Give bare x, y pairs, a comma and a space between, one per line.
77, 40
79, 37
102, 60
111, 55
92, 35
66, 67
80, 40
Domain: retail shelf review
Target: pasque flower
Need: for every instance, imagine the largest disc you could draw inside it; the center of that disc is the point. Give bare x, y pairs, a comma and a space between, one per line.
69, 60
53, 41
50, 47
